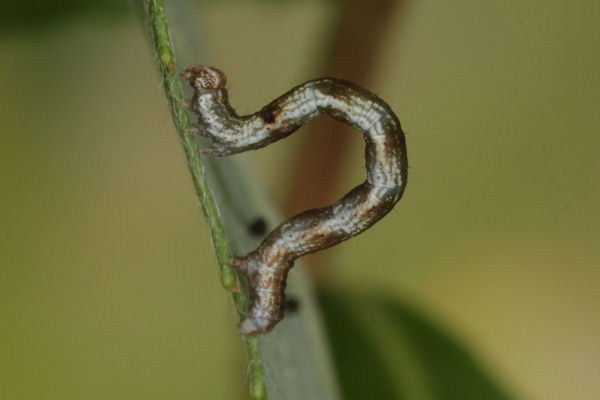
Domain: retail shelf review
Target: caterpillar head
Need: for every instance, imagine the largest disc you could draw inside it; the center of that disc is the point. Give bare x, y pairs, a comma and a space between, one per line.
203, 77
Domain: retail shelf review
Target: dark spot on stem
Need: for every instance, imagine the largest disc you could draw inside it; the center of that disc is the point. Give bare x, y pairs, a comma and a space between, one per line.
291, 305
258, 227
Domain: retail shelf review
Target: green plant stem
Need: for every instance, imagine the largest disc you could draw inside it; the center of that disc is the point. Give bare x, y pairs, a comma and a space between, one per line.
174, 93
165, 55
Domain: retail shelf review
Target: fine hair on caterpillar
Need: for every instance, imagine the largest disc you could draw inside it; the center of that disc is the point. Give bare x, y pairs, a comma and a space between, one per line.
385, 154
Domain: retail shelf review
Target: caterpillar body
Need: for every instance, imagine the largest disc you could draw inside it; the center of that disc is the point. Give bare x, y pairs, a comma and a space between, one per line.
267, 267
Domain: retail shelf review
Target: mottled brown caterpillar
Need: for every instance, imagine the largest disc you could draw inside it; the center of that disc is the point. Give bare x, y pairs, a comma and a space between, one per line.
267, 267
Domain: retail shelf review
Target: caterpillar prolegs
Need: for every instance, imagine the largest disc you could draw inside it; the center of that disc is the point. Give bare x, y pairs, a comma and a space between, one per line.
267, 267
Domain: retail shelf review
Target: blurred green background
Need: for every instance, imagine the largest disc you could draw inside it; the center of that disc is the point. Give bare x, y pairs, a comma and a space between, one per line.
109, 289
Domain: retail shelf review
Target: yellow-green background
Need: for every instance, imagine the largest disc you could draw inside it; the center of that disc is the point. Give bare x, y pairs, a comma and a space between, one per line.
108, 284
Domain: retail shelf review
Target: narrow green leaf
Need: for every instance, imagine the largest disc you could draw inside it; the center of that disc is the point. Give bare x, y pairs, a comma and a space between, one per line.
292, 362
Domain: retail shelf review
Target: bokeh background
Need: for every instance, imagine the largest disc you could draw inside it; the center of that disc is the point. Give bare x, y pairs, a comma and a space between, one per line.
108, 284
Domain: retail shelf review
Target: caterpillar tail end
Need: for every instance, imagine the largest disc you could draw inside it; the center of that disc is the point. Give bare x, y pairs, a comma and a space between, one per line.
254, 325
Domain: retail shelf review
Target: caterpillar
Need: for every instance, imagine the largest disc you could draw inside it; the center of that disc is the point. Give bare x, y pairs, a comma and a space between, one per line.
386, 161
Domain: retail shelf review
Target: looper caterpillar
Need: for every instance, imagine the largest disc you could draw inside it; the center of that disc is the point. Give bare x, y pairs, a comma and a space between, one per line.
267, 267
